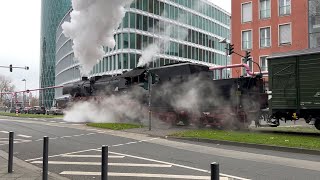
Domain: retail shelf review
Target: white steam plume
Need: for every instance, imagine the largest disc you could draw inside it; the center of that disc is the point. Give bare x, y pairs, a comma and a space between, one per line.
169, 31
114, 108
92, 26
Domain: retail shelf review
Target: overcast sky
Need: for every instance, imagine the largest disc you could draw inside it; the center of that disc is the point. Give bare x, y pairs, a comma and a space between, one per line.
20, 39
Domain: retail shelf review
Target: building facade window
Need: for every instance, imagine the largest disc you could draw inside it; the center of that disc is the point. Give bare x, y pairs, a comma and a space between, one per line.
264, 63
265, 9
246, 12
246, 40
284, 34
314, 23
284, 7
265, 37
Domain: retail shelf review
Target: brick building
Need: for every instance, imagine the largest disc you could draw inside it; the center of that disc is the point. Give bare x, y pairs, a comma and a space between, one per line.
264, 27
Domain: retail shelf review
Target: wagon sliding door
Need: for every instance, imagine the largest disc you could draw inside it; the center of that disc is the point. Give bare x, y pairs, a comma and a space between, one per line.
283, 76
309, 81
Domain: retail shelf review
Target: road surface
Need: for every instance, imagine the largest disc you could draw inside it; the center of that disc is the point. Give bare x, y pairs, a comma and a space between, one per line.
75, 153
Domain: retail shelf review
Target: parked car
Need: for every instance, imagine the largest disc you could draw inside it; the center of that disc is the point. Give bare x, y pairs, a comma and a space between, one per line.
55, 111
27, 110
39, 110
13, 110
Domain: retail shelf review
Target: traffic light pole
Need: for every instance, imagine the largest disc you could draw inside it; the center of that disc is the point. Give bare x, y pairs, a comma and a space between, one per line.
227, 53
149, 98
11, 67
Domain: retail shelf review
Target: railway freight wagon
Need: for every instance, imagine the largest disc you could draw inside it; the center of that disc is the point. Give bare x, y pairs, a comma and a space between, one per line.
294, 79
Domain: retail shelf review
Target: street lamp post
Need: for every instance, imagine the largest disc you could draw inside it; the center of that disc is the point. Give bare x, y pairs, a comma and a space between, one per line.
25, 88
224, 41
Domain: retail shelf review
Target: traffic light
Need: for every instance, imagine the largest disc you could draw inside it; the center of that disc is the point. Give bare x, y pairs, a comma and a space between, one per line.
230, 49
155, 78
145, 84
247, 56
10, 67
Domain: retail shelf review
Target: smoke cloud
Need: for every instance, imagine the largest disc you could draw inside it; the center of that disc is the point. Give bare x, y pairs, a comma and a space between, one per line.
192, 95
124, 107
92, 26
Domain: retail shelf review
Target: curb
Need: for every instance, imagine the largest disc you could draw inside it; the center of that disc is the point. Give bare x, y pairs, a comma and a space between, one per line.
248, 145
30, 167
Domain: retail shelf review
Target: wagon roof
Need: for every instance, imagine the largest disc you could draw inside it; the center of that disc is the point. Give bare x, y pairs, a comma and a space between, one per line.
295, 53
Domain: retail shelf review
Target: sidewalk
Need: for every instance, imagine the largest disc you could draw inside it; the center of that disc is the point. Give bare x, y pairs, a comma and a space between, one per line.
22, 170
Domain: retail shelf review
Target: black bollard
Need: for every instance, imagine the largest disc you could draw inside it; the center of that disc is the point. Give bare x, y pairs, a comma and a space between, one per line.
215, 171
104, 163
45, 158
10, 158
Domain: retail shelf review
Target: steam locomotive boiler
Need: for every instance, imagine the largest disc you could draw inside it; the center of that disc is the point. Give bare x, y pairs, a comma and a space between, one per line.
183, 94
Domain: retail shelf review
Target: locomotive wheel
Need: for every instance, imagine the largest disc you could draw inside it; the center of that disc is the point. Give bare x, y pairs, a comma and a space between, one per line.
317, 123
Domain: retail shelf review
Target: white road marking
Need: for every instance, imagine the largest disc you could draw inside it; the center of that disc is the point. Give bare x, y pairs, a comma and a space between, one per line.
92, 156
16, 141
25, 136
62, 122
131, 142
53, 121
99, 163
6, 132
28, 160
117, 145
79, 135
177, 165
163, 176
66, 137
91, 133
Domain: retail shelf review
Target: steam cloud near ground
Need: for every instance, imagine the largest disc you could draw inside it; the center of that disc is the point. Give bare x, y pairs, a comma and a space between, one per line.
92, 26
192, 96
115, 108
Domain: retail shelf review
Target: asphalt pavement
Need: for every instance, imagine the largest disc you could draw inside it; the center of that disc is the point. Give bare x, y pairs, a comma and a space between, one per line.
75, 153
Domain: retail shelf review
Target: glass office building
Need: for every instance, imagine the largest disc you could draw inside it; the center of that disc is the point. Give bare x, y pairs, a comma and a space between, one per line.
51, 14
196, 27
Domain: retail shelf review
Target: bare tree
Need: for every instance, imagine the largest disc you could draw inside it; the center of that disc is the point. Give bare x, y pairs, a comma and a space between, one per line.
5, 86
34, 101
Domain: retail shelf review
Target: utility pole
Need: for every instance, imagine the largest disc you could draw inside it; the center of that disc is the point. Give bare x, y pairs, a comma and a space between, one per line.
149, 96
24, 93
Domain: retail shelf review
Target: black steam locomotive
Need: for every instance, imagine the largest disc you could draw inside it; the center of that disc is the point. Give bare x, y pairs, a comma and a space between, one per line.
183, 94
